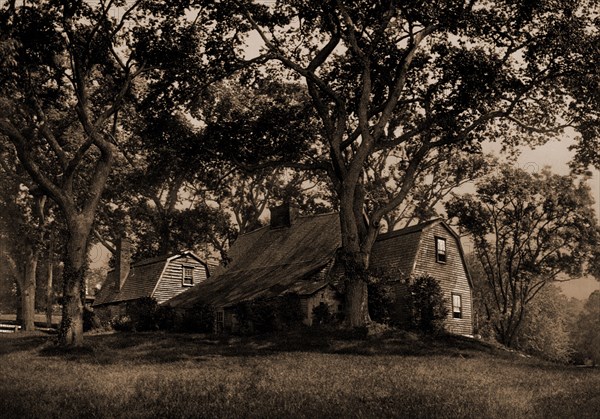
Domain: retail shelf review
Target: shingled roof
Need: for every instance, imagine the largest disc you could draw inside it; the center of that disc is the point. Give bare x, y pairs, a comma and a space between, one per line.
384, 255
141, 281
269, 262
403, 254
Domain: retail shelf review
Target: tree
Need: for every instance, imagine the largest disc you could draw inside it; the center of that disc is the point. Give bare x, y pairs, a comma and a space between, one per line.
528, 230
586, 336
24, 224
433, 186
68, 70
420, 78
544, 331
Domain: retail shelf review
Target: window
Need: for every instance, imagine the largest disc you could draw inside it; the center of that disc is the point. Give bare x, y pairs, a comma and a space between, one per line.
456, 306
188, 276
440, 250
220, 320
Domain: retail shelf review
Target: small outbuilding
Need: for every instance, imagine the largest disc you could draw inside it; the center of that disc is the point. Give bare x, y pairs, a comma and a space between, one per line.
161, 278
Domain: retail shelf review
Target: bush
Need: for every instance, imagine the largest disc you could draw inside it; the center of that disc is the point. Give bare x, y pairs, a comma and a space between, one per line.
382, 300
428, 309
143, 315
90, 320
269, 315
321, 314
200, 318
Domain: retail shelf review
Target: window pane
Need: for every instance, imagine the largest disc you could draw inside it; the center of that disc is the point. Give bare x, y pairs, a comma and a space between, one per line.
441, 245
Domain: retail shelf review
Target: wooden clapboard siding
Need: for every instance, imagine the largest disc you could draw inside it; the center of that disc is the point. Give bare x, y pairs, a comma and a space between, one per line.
452, 274
170, 283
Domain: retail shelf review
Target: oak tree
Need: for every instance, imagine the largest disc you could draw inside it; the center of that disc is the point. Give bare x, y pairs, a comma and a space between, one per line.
67, 71
529, 230
421, 77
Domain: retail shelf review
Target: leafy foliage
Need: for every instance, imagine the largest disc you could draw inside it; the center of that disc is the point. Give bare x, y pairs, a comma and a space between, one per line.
428, 307
269, 315
527, 229
586, 336
199, 318
322, 315
544, 331
382, 300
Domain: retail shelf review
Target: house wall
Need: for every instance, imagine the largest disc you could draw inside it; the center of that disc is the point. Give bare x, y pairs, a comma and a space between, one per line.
451, 275
326, 295
171, 282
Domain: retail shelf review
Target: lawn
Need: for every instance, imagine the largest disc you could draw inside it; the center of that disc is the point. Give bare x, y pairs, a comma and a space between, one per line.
300, 375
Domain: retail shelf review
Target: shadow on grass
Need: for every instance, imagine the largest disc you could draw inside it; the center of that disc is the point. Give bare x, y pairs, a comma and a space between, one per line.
23, 341
160, 347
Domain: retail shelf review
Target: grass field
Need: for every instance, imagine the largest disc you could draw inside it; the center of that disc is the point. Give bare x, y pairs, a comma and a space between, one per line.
300, 375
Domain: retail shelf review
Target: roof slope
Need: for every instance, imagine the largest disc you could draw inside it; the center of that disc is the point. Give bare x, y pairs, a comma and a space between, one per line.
141, 281
399, 254
268, 262
386, 253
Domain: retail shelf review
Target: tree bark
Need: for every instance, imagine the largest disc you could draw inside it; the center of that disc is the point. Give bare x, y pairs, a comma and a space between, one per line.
28, 293
357, 309
71, 327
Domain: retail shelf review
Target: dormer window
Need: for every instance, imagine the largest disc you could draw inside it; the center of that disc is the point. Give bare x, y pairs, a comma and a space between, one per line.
188, 276
440, 250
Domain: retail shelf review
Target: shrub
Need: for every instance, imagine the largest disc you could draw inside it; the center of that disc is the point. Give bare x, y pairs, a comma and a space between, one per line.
143, 314
90, 320
167, 318
200, 318
321, 314
382, 299
122, 323
269, 315
428, 309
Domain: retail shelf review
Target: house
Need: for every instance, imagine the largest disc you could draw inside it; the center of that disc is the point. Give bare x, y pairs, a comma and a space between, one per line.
430, 248
292, 254
161, 278
297, 255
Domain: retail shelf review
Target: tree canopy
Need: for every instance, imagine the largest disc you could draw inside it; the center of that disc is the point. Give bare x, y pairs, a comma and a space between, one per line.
418, 78
528, 230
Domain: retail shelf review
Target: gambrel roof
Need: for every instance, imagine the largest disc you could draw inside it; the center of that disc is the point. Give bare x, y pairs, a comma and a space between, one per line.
398, 249
141, 282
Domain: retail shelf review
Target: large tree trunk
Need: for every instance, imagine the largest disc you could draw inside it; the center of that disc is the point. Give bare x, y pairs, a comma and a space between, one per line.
355, 261
28, 293
357, 310
71, 327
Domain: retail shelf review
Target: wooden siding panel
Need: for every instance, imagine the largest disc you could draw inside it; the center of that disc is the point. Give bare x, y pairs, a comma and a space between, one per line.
171, 282
451, 275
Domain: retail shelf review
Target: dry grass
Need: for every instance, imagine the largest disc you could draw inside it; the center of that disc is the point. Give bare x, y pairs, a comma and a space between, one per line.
162, 375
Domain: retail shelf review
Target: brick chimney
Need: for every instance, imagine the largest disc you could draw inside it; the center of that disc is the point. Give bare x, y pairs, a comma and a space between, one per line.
122, 261
283, 215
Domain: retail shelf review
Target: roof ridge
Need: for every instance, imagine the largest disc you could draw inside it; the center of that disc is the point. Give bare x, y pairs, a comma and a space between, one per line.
300, 216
